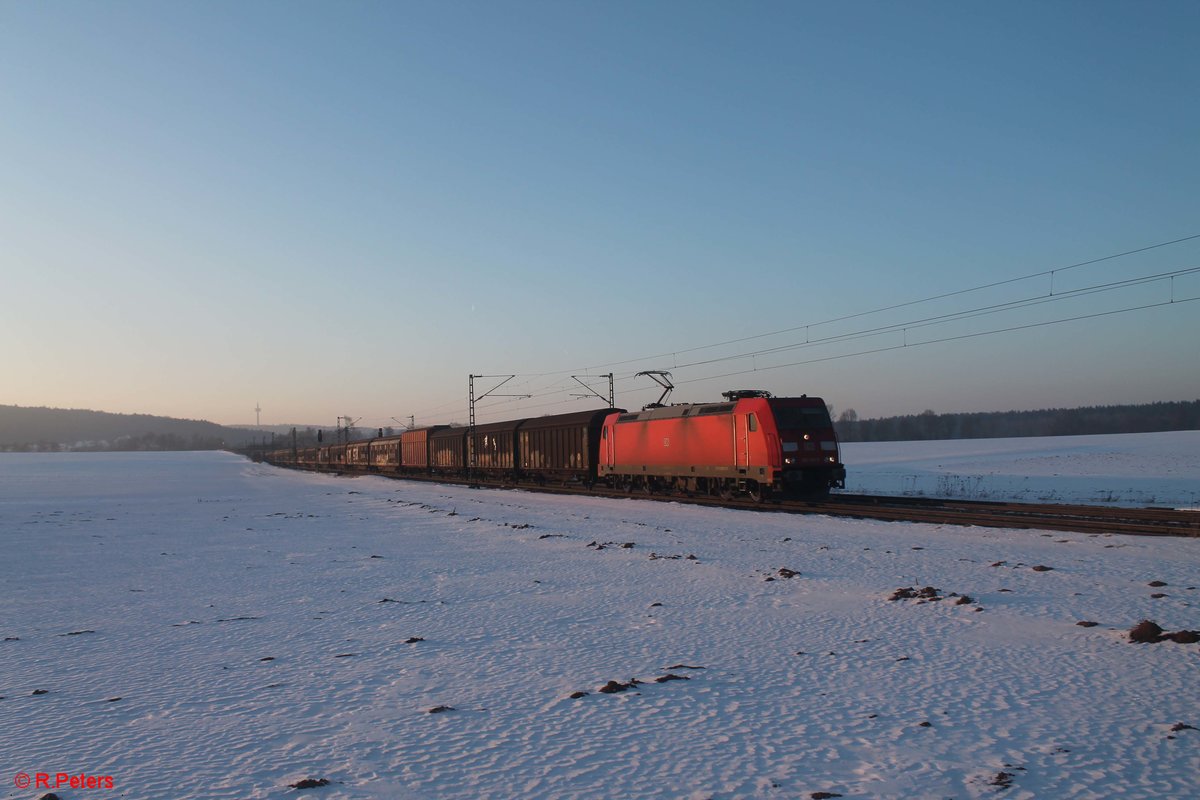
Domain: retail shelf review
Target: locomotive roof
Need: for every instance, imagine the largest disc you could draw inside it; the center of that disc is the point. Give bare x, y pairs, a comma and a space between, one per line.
679, 410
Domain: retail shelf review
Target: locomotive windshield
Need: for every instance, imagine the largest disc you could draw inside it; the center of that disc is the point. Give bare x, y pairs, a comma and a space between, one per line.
794, 418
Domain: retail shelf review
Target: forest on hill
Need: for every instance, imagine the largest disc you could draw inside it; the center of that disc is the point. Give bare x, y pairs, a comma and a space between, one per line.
54, 429
1178, 416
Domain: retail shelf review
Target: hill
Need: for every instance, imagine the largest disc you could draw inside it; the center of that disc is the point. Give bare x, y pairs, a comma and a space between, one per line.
50, 429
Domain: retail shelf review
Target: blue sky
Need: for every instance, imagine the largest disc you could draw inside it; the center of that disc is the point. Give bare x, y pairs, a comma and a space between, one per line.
346, 208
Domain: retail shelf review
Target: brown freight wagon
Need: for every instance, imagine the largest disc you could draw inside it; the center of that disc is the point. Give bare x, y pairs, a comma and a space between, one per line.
447, 451
494, 447
414, 448
384, 455
358, 454
562, 447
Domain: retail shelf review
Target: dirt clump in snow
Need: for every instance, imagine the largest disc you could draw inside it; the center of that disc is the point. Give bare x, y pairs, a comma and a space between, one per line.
671, 676
309, 783
911, 593
688, 557
1145, 632
612, 687
1083, 623
1148, 632
1002, 780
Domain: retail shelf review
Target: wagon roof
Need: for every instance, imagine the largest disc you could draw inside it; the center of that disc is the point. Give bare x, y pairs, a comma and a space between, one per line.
428, 430
499, 427
574, 419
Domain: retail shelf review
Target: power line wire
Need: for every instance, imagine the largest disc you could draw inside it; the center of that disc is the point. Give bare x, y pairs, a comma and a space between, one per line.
996, 308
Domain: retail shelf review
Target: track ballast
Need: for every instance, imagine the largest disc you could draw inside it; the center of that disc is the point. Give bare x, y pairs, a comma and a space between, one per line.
1040, 516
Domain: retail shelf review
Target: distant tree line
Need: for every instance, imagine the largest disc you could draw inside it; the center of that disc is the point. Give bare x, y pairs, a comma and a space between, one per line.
56, 429
1181, 416
144, 442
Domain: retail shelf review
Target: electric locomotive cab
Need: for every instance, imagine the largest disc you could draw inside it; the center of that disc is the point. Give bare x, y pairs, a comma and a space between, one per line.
811, 463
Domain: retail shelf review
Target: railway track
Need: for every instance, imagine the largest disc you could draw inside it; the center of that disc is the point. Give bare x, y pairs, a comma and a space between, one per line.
1052, 517
1045, 516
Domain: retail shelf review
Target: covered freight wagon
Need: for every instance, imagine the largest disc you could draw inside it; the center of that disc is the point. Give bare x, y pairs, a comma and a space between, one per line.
414, 448
493, 448
562, 447
447, 450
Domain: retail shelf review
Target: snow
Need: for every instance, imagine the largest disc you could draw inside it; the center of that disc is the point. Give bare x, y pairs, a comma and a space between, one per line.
1143, 469
167, 579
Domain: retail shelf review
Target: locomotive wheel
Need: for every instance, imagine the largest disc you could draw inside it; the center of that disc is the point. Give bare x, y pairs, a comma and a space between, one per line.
725, 490
755, 491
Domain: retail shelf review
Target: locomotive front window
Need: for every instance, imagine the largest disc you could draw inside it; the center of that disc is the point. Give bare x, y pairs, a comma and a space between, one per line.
802, 418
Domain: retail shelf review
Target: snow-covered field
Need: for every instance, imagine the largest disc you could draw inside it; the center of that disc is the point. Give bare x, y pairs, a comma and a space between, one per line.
203, 627
1137, 469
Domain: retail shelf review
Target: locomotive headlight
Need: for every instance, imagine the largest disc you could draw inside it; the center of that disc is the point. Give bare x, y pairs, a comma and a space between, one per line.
831, 459
807, 437
789, 461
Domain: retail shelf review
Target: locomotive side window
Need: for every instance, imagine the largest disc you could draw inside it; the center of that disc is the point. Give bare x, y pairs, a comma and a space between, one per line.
752, 422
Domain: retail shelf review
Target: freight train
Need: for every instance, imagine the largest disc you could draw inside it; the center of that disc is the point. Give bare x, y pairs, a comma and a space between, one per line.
751, 445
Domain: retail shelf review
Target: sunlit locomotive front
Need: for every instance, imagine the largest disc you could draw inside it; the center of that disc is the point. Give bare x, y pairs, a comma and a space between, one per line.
752, 444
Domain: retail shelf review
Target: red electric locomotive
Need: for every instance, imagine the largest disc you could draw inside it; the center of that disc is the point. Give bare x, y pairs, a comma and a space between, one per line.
752, 444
